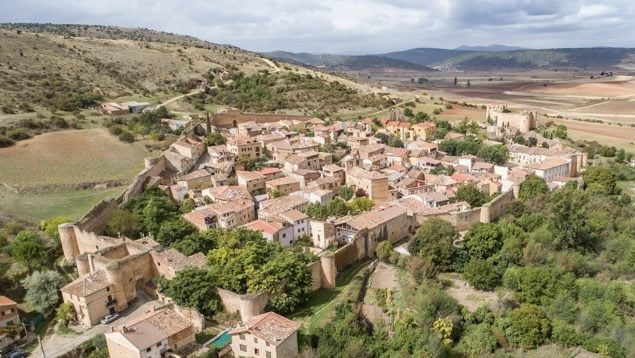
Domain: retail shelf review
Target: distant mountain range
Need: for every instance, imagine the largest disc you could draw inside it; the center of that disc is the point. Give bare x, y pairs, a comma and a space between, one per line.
346, 62
491, 48
469, 58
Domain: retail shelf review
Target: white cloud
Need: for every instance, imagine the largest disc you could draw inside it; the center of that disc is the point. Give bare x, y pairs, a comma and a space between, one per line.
369, 26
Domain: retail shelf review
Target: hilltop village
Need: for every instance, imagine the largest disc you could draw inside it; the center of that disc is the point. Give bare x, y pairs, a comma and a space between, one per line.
329, 192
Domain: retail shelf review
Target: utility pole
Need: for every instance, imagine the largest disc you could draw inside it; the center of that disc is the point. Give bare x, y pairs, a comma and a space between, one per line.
39, 341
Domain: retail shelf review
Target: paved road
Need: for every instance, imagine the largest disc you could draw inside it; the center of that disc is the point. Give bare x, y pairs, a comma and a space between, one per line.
56, 344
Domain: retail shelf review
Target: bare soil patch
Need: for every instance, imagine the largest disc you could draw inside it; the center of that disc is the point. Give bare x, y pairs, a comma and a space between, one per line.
384, 277
469, 297
594, 89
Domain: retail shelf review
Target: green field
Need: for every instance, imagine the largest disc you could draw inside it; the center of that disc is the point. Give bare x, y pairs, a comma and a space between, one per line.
37, 207
63, 159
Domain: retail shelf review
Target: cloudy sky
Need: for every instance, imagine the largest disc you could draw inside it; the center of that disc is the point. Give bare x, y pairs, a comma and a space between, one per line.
361, 26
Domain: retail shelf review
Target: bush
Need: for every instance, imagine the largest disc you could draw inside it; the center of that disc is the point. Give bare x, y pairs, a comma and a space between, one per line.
481, 274
5, 142
126, 137
18, 134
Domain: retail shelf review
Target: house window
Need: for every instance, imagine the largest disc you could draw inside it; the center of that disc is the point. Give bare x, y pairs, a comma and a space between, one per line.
243, 348
256, 351
159, 344
241, 336
107, 289
255, 340
268, 354
148, 349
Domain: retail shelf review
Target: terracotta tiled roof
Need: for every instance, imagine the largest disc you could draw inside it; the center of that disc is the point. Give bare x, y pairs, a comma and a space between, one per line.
6, 301
271, 327
88, 284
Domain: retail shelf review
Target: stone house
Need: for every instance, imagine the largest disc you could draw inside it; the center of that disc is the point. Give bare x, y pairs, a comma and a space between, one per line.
386, 223
189, 147
152, 335
9, 316
197, 179
268, 335
223, 215
324, 183
242, 145
224, 194
424, 130
272, 231
550, 169
374, 184
283, 186
335, 171
254, 182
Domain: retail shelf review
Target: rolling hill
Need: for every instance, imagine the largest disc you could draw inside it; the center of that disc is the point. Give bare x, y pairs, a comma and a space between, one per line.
56, 67
346, 62
490, 58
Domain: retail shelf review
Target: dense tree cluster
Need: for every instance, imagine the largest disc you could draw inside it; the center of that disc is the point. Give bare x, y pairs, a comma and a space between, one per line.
266, 92
496, 154
560, 259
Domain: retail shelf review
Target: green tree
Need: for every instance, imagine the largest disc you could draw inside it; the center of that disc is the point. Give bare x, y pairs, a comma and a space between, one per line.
337, 207
483, 240
568, 220
317, 211
496, 154
478, 340
560, 131
50, 226
125, 223
395, 143
28, 250
526, 327
42, 290
481, 274
215, 138
600, 180
358, 205
383, 137
174, 230
345, 192
532, 187
64, 313
434, 242
471, 194
195, 288
384, 251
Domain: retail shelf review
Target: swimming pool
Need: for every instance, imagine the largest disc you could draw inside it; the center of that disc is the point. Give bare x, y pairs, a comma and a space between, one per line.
221, 340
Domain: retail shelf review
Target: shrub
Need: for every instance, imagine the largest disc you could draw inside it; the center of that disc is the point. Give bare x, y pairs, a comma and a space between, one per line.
126, 137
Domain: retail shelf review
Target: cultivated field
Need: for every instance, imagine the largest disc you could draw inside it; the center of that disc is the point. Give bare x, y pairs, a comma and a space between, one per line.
69, 158
35, 207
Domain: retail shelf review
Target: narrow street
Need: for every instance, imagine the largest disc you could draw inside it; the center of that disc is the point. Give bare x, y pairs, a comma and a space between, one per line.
57, 344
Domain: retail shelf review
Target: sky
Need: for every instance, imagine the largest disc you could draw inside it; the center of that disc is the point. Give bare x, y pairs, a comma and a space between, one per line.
353, 27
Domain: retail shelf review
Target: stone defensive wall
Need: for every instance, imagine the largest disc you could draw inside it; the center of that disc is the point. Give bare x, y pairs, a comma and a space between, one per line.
232, 118
496, 208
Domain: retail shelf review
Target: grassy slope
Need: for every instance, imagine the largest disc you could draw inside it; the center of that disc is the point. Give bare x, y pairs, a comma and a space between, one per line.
110, 67
70, 157
36, 207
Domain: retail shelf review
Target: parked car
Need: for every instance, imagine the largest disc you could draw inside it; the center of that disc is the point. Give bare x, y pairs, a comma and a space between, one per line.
109, 318
16, 354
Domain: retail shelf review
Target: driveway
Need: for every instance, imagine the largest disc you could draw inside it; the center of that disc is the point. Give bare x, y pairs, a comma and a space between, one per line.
56, 344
